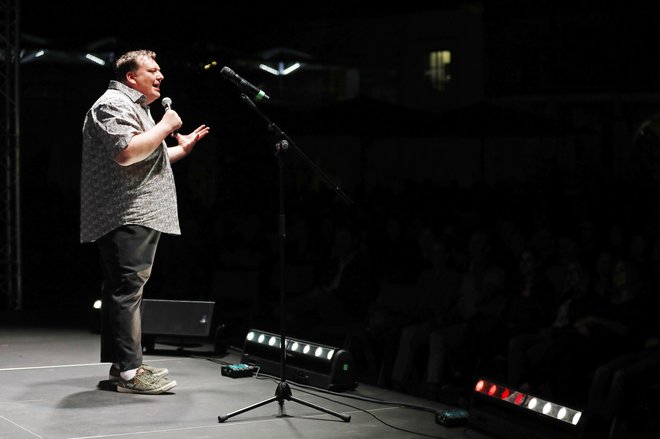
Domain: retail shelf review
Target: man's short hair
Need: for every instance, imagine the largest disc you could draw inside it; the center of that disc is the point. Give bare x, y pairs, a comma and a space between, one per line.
130, 61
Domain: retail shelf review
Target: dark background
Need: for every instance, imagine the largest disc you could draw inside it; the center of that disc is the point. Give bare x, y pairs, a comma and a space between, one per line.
547, 134
582, 54
59, 273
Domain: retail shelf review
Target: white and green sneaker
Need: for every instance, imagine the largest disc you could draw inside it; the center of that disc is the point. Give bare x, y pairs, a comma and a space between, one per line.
145, 383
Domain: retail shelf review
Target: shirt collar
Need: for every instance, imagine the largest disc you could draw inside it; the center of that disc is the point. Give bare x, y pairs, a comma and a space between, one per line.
133, 94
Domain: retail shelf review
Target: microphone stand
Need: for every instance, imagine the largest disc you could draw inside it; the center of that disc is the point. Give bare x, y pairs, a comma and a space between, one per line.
283, 391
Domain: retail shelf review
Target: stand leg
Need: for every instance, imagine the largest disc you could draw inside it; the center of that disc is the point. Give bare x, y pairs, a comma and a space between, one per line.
321, 409
245, 409
283, 393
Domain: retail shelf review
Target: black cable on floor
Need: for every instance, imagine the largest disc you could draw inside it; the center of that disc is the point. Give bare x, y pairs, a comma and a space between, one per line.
318, 391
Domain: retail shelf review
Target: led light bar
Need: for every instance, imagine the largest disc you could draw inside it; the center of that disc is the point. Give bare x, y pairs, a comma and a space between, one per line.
505, 412
527, 401
307, 362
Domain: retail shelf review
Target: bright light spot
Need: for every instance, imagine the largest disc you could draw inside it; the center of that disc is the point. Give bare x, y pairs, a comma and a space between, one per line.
532, 403
294, 346
576, 418
492, 390
261, 338
318, 352
280, 70
269, 69
479, 386
331, 352
250, 336
561, 413
547, 408
291, 68
272, 341
40, 53
306, 349
519, 399
97, 304
95, 59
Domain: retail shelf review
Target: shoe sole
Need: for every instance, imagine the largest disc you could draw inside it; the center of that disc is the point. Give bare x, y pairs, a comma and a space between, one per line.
162, 389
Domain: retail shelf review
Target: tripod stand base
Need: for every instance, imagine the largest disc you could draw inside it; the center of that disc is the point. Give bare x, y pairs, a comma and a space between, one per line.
283, 393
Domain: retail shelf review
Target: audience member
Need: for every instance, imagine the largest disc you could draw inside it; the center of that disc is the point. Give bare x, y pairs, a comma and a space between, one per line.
620, 384
438, 291
481, 299
528, 352
604, 332
344, 288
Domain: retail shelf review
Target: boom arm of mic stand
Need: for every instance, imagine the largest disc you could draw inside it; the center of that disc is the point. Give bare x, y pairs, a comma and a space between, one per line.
278, 132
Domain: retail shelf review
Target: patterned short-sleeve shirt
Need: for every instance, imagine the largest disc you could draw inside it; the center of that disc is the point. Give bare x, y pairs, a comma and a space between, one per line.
112, 195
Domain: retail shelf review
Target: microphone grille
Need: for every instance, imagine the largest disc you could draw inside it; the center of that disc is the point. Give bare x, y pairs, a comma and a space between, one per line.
167, 102
226, 71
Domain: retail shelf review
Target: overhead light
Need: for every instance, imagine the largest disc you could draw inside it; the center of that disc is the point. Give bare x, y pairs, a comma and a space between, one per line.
95, 59
27, 56
65, 57
269, 69
291, 68
280, 70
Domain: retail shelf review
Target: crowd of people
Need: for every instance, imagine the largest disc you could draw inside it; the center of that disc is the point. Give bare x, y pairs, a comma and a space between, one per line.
551, 288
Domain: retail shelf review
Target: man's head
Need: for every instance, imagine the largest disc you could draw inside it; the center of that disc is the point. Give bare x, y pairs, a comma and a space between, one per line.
138, 69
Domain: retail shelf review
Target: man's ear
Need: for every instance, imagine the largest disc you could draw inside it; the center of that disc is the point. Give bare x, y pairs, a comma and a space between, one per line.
130, 77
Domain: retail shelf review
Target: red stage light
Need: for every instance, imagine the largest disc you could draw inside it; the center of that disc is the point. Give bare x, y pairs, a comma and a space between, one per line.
519, 399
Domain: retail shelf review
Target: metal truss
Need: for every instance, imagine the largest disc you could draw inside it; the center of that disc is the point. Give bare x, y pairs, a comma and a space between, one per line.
10, 218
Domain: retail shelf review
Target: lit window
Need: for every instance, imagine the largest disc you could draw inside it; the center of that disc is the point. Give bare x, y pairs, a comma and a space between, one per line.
439, 69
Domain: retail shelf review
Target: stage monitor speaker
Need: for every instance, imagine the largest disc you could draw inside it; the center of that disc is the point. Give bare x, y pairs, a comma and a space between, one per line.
176, 319
307, 362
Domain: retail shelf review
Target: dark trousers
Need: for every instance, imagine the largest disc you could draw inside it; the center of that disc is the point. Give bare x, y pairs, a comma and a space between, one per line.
126, 256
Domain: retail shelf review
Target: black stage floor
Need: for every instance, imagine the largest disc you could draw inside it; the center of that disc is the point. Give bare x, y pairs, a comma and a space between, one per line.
49, 381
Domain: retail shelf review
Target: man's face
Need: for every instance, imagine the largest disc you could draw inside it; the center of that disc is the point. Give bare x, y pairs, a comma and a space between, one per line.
146, 79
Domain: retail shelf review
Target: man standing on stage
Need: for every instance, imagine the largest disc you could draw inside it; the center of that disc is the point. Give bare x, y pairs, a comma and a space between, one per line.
127, 199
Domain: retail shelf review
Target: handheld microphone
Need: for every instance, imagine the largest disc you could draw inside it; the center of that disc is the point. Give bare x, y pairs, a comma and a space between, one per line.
248, 88
167, 104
